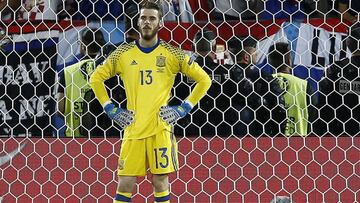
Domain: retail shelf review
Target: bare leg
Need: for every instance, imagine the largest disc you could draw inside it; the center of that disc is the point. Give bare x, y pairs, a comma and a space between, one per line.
124, 189
161, 187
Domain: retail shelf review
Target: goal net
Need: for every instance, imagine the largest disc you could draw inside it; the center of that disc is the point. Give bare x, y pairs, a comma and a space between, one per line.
255, 137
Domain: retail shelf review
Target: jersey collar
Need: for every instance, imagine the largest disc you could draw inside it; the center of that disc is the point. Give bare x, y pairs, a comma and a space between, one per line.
147, 49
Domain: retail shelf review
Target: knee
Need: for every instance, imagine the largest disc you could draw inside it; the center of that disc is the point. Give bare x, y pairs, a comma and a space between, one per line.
126, 184
160, 182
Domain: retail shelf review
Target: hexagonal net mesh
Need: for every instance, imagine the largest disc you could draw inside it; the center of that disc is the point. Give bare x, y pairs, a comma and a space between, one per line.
281, 117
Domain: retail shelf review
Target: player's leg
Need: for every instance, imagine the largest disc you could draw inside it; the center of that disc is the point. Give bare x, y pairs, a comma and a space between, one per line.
161, 188
132, 163
124, 189
162, 156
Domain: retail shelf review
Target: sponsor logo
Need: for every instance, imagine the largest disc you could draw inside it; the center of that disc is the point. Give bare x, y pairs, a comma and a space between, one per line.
133, 63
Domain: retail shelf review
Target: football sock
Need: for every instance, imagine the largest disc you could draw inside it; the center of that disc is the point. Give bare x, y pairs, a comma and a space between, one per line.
162, 197
122, 197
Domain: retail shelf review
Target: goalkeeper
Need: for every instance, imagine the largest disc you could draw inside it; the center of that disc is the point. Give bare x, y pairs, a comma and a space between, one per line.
148, 68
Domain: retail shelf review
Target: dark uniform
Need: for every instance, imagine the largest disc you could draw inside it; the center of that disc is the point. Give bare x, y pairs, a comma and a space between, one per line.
262, 105
339, 98
238, 102
208, 116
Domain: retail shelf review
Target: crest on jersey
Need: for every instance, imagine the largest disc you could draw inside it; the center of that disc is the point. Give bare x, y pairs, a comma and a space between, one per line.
160, 61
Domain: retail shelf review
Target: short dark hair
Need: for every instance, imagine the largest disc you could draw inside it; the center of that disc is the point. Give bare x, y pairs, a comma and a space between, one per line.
353, 40
238, 46
279, 55
93, 39
148, 4
202, 40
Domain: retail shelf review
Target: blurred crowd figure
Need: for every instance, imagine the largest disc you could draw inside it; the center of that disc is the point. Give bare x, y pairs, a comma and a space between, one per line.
340, 90
74, 84
29, 10
259, 99
298, 94
295, 10
181, 10
350, 10
243, 99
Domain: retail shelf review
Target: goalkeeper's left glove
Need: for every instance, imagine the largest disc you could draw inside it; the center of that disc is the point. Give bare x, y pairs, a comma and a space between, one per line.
171, 114
121, 116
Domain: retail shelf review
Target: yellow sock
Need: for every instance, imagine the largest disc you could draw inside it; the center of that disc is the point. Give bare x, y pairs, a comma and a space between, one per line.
122, 197
162, 197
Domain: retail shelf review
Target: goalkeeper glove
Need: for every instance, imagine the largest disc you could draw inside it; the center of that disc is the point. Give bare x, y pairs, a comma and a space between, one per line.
171, 114
121, 116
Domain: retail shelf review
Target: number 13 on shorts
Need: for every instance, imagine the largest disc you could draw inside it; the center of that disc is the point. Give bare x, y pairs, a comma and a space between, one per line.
163, 156
164, 163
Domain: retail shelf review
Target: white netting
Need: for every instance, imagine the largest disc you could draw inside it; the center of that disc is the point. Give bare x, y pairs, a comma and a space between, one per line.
232, 147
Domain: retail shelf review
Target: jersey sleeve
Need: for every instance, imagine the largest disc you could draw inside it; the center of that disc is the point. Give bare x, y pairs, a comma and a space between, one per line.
203, 82
102, 73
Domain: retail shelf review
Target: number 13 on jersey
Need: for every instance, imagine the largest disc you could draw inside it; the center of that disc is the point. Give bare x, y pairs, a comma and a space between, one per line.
146, 77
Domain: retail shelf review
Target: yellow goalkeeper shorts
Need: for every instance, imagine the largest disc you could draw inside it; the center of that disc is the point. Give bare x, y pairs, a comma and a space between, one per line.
158, 152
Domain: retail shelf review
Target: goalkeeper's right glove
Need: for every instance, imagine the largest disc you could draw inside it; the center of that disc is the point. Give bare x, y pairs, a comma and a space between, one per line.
121, 116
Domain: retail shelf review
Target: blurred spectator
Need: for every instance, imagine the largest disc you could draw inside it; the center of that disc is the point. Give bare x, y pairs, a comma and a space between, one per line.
297, 91
214, 103
341, 90
177, 11
30, 10
233, 9
286, 9
7, 9
74, 84
38, 10
349, 10
209, 117
67, 9
258, 90
204, 48
4, 39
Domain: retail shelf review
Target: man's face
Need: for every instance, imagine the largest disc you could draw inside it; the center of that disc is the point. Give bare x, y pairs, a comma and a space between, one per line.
149, 23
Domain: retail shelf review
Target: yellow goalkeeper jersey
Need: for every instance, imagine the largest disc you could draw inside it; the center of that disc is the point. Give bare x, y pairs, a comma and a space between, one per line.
148, 75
